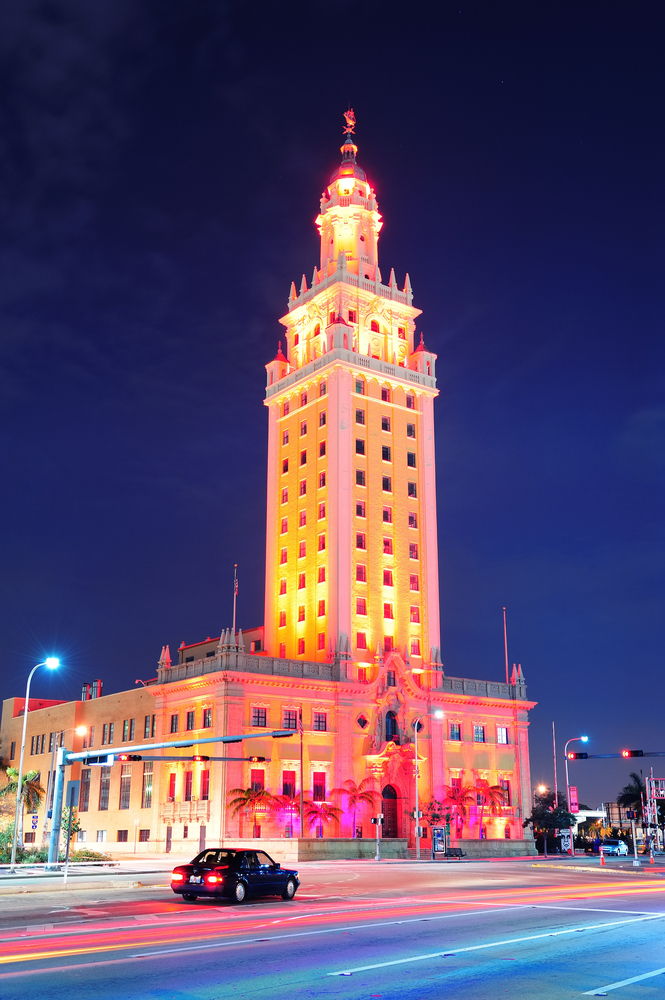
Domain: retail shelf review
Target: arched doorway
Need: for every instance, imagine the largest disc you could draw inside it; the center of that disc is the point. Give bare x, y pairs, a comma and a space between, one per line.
392, 732
389, 810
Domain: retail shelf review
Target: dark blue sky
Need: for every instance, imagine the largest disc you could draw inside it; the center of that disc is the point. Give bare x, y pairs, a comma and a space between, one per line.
161, 165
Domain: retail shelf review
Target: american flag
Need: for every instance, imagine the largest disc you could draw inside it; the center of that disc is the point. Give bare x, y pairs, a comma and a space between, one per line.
300, 726
235, 579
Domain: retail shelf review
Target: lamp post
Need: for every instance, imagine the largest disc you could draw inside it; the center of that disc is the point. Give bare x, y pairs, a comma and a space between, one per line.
573, 739
51, 662
438, 714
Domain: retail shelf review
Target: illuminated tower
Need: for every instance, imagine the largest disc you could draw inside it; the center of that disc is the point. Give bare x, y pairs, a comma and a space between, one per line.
351, 556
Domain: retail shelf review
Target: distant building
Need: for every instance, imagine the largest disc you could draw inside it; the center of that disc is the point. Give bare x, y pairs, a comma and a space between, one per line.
351, 639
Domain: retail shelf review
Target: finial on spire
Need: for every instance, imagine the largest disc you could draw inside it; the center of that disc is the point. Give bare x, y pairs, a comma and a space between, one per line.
350, 118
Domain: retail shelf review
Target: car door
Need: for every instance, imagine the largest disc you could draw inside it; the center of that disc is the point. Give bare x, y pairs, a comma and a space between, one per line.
272, 877
252, 873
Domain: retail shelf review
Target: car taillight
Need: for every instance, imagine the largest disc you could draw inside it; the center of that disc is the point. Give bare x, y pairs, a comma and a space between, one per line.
177, 876
212, 878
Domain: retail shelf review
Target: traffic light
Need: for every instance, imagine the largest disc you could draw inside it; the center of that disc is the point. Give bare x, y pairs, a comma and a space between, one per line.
129, 756
631, 814
257, 760
104, 760
632, 753
578, 756
200, 756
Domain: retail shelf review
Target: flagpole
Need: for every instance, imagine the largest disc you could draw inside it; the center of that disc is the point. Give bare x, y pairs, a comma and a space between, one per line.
235, 595
302, 803
505, 642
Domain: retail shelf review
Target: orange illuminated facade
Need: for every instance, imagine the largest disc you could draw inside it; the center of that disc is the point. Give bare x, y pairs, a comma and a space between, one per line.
352, 567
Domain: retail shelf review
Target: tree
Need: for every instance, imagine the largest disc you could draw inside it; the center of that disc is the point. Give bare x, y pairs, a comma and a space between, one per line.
357, 795
289, 804
492, 798
631, 795
31, 794
318, 813
434, 812
64, 822
546, 817
459, 799
251, 800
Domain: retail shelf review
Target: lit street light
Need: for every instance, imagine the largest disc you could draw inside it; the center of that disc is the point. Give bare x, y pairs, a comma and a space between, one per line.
438, 714
51, 662
58, 741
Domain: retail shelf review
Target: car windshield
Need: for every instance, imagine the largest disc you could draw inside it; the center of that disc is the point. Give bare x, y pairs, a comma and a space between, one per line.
215, 857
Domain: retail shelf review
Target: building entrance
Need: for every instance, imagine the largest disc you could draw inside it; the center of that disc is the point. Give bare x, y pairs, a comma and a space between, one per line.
389, 810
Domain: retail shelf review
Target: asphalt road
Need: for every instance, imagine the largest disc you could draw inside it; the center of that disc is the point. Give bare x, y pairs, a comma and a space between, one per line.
355, 930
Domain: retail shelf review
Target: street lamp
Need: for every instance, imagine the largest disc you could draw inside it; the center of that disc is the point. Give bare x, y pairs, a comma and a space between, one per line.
52, 663
573, 739
438, 714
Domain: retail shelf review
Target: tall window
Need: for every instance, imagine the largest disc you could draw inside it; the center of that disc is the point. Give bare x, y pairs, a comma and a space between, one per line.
125, 786
207, 718
388, 610
301, 581
301, 647
411, 402
360, 477
319, 786
361, 606
322, 511
319, 722
411, 490
388, 546
258, 779
104, 787
282, 557
455, 731
361, 573
413, 520
322, 418
361, 542
302, 490
322, 543
125, 730
478, 734
385, 423
391, 726
388, 515
290, 719
322, 479
415, 647
410, 430
171, 795
414, 582
174, 723
282, 587
105, 736
205, 785
146, 788
360, 508
414, 613
411, 459
301, 613
385, 453
321, 640
387, 578
259, 717
322, 608
390, 678
322, 449
505, 784
302, 550
387, 486
413, 550
189, 780
289, 783
84, 795
190, 721
361, 640
501, 734
146, 727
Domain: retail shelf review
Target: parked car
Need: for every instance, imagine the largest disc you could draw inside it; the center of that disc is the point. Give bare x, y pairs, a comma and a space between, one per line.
615, 847
233, 874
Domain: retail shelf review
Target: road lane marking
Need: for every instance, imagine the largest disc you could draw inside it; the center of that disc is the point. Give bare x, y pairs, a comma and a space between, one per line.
602, 990
491, 944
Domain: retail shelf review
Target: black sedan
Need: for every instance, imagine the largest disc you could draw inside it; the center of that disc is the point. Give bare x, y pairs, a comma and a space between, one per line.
234, 875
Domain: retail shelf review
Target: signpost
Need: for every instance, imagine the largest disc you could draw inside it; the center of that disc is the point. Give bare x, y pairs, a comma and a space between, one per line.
72, 801
630, 814
378, 821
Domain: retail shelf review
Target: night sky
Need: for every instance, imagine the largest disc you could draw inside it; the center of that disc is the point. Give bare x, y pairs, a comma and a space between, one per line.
161, 164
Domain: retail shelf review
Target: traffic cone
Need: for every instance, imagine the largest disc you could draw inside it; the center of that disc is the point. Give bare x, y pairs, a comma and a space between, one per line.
602, 857
651, 858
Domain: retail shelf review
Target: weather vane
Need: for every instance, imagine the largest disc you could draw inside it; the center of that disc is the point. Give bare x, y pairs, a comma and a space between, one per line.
350, 126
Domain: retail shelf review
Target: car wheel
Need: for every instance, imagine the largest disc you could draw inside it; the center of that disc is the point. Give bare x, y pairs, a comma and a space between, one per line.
189, 897
240, 892
289, 889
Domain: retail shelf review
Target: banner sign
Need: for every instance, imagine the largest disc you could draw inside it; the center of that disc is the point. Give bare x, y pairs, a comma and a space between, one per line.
574, 803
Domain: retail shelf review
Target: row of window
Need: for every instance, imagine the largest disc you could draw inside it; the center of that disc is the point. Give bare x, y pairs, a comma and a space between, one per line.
258, 777
479, 733
386, 455
304, 397
361, 643
122, 836
124, 789
289, 719
361, 480
385, 423
190, 721
188, 786
456, 782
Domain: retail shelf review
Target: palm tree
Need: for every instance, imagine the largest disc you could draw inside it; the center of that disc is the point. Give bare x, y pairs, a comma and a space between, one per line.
492, 798
31, 793
289, 804
319, 813
357, 795
459, 799
250, 799
631, 794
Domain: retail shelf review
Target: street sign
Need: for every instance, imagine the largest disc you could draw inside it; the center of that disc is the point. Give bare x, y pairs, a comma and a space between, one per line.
658, 786
34, 819
574, 802
72, 797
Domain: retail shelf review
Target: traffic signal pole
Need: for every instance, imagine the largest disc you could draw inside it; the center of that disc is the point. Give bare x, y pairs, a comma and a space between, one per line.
66, 757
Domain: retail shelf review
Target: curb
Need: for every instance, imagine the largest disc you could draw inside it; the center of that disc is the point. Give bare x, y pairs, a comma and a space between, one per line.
72, 884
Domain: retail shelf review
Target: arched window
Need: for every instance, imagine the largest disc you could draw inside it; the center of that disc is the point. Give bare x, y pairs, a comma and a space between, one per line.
317, 329
391, 727
374, 326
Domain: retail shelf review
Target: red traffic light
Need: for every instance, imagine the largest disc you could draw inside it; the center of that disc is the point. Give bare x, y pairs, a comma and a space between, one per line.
257, 760
200, 756
129, 756
578, 756
632, 753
